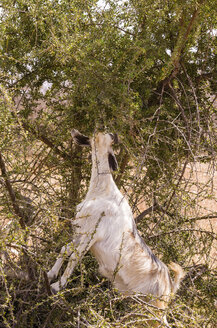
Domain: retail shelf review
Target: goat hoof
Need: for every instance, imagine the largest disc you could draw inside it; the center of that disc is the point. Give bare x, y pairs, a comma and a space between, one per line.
55, 288
50, 276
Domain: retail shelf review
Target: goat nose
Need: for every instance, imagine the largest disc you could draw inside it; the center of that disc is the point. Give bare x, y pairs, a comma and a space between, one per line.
100, 126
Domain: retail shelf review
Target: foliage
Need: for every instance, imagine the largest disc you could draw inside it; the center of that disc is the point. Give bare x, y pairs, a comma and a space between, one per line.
144, 69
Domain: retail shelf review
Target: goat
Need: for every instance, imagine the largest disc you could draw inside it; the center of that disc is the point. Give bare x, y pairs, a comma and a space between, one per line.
105, 225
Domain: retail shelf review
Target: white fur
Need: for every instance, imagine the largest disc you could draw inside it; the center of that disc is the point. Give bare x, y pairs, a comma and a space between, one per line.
104, 224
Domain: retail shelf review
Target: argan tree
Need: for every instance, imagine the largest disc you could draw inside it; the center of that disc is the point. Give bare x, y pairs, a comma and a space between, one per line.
146, 70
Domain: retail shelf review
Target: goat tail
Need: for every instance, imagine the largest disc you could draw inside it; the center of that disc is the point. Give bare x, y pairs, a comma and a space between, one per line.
179, 275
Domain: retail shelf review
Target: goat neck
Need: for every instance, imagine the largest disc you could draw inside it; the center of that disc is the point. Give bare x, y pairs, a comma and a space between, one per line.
101, 181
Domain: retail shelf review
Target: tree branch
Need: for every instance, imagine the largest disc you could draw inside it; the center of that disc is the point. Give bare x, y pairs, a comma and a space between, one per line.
123, 165
43, 137
205, 217
47, 285
183, 230
173, 66
156, 207
17, 210
182, 39
146, 212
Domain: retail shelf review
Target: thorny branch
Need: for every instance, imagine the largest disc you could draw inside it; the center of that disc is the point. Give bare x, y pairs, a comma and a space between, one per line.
17, 210
44, 138
212, 234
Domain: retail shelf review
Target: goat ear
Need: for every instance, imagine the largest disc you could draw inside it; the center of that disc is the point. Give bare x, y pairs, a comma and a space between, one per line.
80, 139
115, 138
113, 164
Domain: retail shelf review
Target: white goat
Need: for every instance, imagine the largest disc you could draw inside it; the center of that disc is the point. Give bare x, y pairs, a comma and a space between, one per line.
104, 224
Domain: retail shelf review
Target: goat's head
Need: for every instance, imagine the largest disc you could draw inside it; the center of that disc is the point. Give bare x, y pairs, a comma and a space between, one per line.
100, 143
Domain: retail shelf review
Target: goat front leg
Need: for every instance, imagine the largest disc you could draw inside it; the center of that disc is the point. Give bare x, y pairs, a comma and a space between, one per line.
85, 243
65, 252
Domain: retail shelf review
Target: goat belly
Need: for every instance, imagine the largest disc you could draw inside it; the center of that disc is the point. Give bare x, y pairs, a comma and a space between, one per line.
105, 272
107, 259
